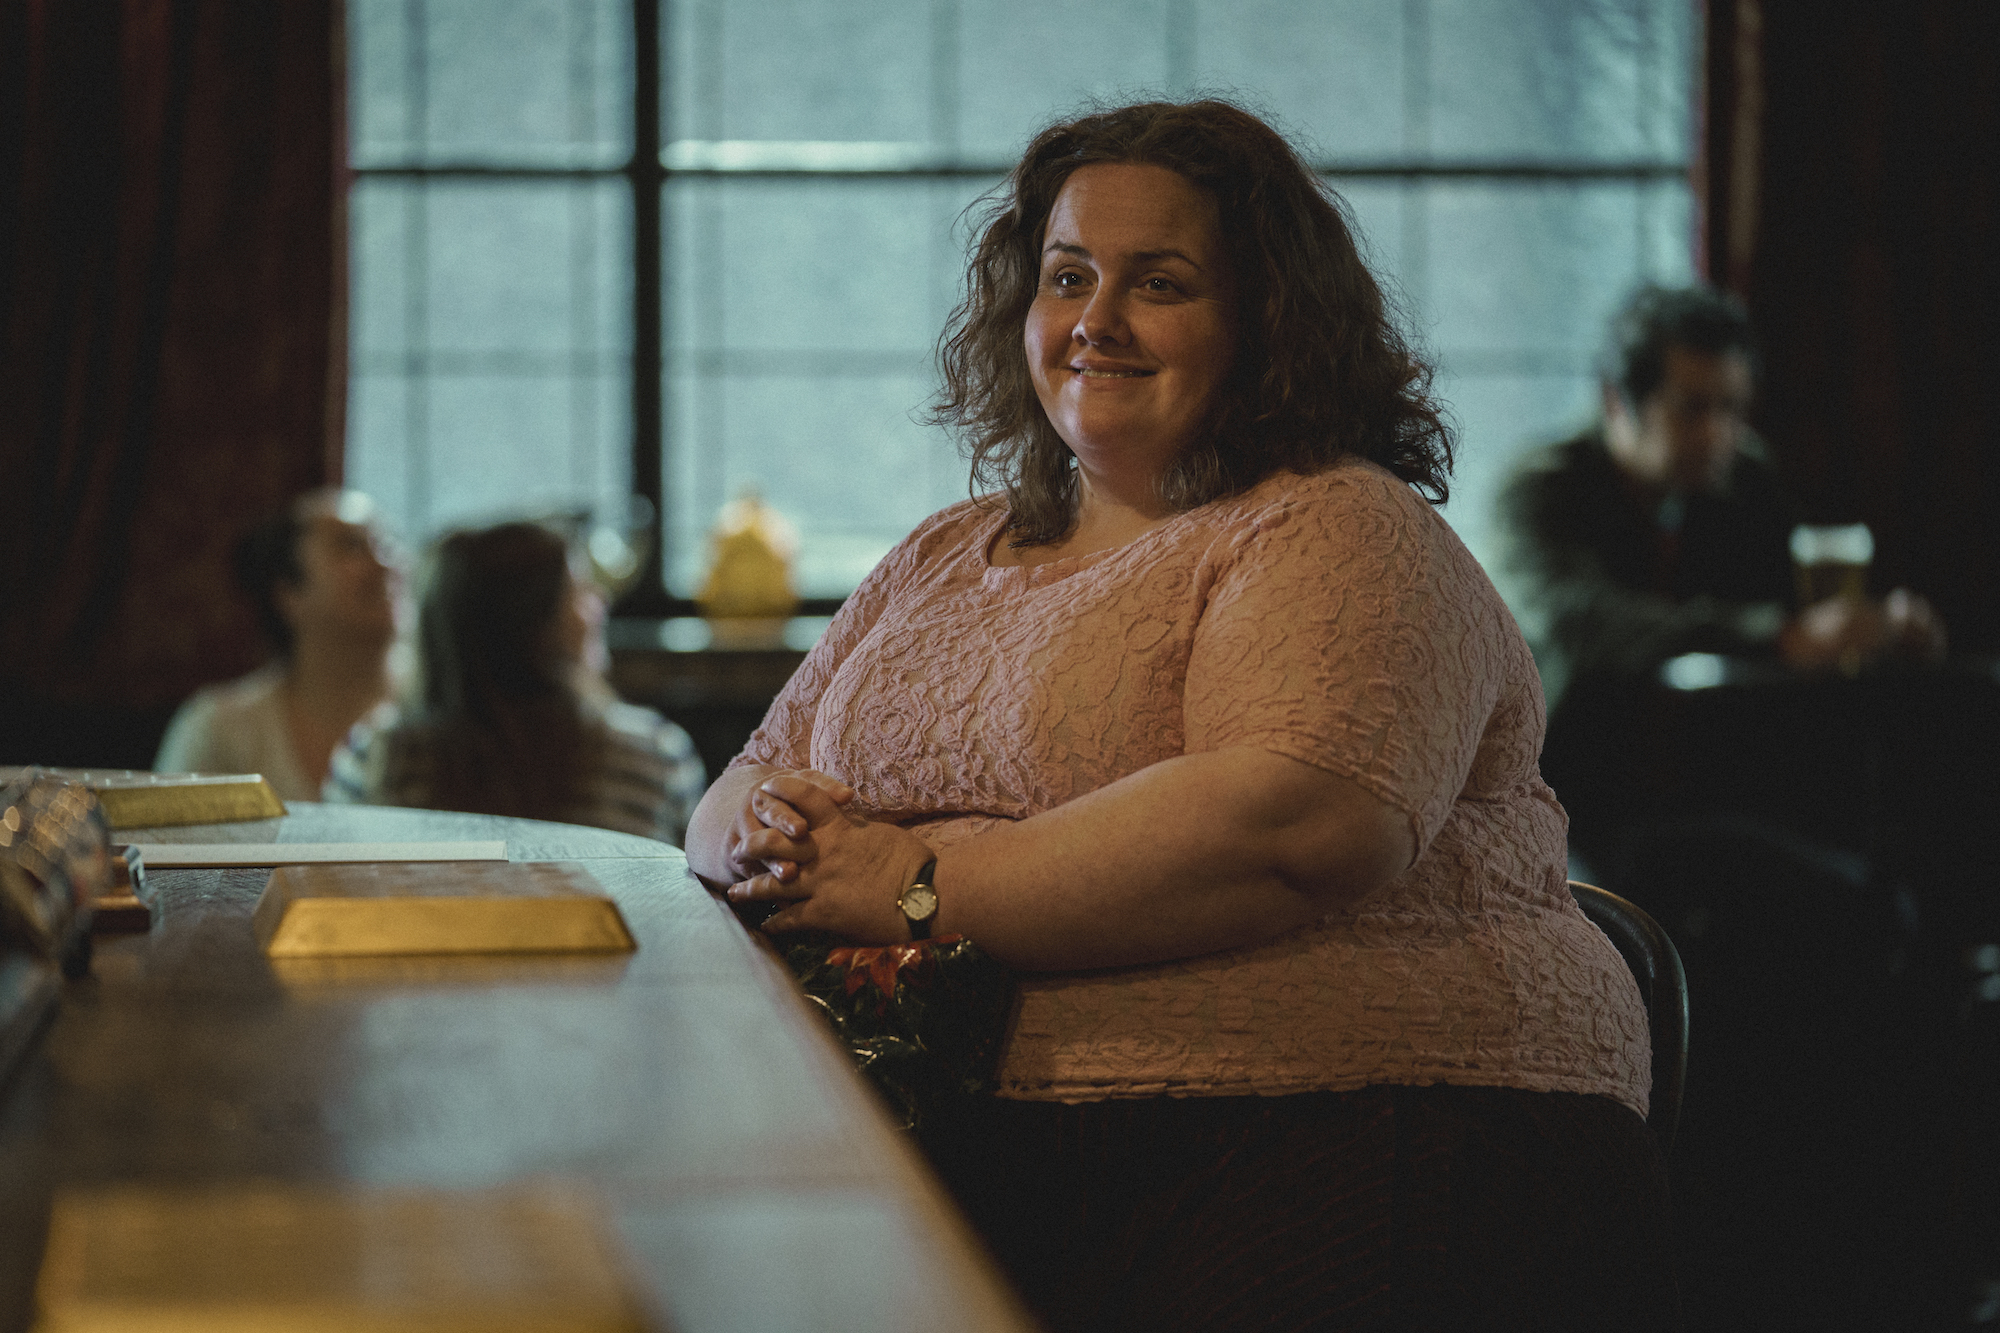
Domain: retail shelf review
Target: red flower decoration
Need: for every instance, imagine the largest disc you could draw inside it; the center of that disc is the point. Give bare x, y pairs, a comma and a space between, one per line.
884, 965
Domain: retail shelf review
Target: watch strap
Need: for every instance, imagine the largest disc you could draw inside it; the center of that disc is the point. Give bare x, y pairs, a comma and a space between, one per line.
920, 926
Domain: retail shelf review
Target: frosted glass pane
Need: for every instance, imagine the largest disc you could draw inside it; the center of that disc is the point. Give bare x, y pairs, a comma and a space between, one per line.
1023, 63
381, 111
504, 445
378, 444
1502, 420
1376, 211
802, 69
1538, 79
778, 265
690, 75
529, 266
515, 82
1668, 82
1528, 270
840, 456
1331, 70
1666, 243
378, 223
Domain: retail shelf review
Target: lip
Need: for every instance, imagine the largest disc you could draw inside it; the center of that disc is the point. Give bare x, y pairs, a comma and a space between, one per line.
1107, 371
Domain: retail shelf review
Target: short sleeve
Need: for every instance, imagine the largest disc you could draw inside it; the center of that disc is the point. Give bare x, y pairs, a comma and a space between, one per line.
784, 739
1349, 630
189, 743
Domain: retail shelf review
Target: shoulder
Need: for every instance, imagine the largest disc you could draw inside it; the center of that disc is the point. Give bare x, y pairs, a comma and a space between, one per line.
945, 541
638, 727
950, 531
246, 694
1352, 502
217, 724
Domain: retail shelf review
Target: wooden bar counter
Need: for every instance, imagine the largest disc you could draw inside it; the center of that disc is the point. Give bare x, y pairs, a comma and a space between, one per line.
753, 1182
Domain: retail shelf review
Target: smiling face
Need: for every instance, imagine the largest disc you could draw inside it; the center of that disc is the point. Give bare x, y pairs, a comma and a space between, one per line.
1133, 326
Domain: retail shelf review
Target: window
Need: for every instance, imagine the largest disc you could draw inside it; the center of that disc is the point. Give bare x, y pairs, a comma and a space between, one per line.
778, 249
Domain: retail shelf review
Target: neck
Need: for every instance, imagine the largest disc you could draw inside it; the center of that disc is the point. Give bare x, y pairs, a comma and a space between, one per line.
337, 680
1114, 508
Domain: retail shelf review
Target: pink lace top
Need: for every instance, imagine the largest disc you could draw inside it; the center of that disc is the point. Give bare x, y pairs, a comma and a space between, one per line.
1333, 618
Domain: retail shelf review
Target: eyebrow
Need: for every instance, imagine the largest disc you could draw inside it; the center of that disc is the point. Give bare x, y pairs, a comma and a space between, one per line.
1141, 256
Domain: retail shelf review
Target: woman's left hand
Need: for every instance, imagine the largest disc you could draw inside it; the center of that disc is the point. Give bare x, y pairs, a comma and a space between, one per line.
850, 885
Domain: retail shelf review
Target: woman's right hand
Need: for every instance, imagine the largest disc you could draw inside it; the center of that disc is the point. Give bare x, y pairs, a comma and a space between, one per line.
786, 840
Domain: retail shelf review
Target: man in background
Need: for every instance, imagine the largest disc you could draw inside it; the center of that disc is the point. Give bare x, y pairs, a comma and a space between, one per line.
328, 595
1664, 530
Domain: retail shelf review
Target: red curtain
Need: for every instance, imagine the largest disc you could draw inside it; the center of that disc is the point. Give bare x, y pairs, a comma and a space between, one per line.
1851, 172
172, 333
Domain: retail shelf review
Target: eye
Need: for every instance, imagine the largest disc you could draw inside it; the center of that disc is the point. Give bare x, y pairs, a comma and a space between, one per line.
1066, 278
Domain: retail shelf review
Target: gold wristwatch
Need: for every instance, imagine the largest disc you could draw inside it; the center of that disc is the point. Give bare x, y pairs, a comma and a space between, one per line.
920, 901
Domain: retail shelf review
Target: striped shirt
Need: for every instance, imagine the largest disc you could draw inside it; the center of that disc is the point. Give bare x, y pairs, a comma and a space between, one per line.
645, 776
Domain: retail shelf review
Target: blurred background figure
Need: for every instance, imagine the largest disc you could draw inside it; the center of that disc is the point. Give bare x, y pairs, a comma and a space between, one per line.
1664, 529
326, 589
511, 714
1654, 559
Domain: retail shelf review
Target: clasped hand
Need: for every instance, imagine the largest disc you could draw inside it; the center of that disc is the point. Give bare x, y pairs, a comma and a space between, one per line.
795, 843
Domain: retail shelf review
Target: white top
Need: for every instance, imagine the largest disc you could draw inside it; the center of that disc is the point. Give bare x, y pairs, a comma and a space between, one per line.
238, 727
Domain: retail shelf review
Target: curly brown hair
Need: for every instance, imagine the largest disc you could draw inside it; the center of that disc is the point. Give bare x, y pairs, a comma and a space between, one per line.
1321, 371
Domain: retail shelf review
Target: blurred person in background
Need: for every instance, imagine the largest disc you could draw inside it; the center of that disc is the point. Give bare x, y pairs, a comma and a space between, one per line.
1664, 528
327, 590
511, 714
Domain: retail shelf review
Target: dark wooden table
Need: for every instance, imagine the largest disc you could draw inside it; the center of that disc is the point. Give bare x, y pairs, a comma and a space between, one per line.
754, 1181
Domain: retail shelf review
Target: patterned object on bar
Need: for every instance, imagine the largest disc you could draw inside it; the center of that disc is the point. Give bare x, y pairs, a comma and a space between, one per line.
54, 863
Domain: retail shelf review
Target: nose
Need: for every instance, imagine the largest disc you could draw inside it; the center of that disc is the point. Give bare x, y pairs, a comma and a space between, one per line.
1101, 322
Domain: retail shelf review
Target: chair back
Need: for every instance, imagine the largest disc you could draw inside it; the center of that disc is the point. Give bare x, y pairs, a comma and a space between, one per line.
1656, 966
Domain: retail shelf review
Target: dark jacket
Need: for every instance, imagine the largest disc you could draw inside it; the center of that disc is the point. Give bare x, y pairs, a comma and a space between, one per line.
1609, 584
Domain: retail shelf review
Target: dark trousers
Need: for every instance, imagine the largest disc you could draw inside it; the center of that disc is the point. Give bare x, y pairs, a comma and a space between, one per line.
1437, 1208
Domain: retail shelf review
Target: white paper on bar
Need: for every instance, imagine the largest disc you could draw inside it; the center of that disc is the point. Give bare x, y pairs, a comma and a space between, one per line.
206, 855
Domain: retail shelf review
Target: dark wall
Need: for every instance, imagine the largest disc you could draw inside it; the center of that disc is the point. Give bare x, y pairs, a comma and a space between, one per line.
1854, 166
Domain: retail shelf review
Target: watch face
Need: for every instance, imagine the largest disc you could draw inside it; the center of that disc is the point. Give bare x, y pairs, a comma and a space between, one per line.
919, 902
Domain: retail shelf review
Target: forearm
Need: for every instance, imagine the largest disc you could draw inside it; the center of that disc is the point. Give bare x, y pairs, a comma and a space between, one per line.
708, 828
1605, 627
1132, 873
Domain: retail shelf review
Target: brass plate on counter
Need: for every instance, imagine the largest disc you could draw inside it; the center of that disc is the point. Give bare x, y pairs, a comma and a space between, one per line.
135, 799
204, 801
330, 911
279, 1258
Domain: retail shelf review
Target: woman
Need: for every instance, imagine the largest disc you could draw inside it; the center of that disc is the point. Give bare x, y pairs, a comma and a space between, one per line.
1211, 726
514, 716
326, 593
